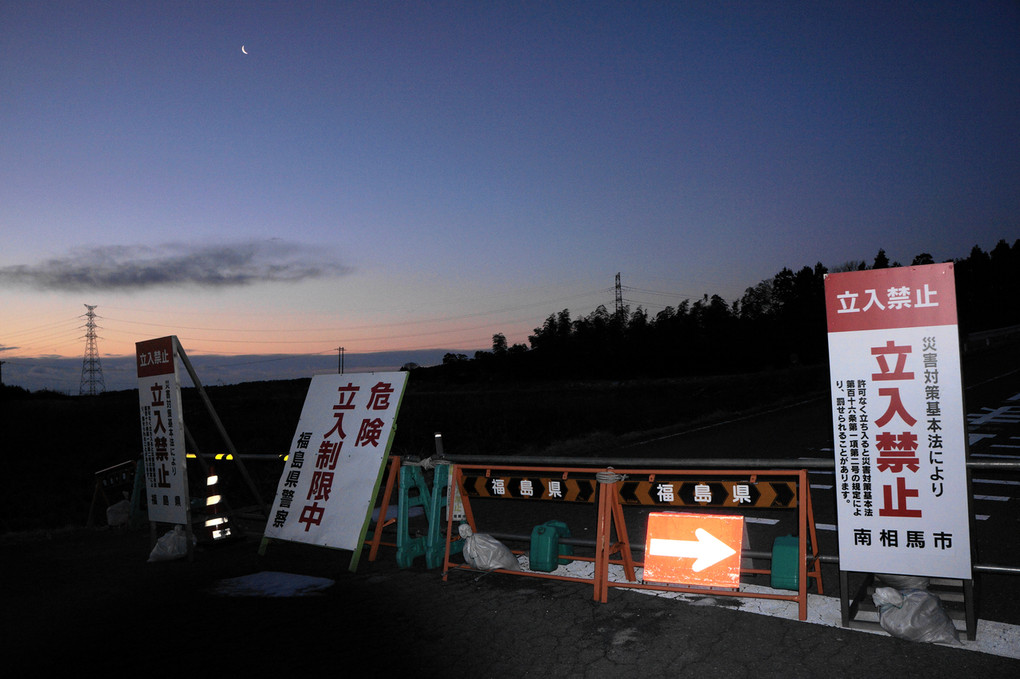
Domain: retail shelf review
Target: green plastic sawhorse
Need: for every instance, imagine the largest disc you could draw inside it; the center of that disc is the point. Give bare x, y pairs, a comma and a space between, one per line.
433, 544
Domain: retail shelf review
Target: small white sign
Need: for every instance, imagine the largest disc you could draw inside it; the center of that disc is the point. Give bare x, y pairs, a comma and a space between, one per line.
162, 418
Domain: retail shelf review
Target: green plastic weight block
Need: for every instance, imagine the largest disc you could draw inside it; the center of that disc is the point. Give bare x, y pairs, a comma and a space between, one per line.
785, 557
546, 550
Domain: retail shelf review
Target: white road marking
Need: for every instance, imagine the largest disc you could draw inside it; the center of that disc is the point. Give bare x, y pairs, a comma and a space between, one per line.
1001, 482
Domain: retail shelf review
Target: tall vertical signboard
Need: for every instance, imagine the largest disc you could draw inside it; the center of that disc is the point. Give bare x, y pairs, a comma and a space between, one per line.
898, 422
162, 417
328, 487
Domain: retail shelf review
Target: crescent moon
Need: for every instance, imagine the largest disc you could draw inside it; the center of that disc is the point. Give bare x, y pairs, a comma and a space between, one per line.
243, 50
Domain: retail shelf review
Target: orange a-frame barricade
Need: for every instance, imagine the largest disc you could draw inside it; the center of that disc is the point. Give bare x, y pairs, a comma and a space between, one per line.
383, 521
607, 484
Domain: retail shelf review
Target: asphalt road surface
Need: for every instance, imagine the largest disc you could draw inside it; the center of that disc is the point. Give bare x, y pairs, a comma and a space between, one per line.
87, 601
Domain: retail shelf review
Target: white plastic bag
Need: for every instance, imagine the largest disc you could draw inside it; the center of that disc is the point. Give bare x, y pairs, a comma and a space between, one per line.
173, 545
915, 615
485, 552
119, 513
902, 582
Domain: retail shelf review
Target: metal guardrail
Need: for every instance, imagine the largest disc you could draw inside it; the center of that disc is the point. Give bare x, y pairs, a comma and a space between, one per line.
814, 463
985, 339
687, 462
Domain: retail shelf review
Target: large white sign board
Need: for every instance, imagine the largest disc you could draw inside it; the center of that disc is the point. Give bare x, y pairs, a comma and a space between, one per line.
328, 486
162, 417
898, 422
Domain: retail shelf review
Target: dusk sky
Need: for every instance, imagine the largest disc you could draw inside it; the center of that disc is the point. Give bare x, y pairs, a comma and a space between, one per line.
396, 176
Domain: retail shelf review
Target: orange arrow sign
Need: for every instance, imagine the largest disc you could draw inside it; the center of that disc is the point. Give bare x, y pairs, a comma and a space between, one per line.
707, 550
693, 549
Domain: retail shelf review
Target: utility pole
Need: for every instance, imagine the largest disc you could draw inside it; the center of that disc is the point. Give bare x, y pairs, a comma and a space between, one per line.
2, 373
340, 361
92, 381
619, 295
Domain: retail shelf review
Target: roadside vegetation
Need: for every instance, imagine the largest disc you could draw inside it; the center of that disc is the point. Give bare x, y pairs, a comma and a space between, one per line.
778, 323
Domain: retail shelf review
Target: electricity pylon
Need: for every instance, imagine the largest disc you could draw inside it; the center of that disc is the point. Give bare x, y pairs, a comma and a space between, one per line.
91, 370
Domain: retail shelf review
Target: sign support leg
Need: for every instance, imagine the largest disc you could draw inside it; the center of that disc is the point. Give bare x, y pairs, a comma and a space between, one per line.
816, 567
456, 476
602, 546
384, 508
608, 511
621, 535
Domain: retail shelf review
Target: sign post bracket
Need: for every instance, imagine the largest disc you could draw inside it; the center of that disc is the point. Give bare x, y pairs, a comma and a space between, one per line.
859, 602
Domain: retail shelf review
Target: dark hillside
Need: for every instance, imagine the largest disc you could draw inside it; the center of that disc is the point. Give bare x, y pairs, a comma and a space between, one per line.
55, 444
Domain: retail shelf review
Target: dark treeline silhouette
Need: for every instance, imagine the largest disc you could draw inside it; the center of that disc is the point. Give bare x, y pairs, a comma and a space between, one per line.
779, 322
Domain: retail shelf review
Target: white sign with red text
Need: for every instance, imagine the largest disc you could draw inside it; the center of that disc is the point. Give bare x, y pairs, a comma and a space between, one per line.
329, 484
162, 418
899, 430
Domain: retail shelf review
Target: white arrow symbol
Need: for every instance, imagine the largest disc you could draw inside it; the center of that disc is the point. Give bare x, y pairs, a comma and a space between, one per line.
707, 550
